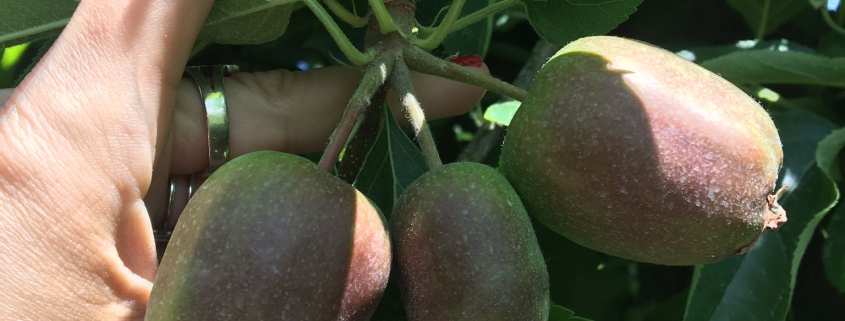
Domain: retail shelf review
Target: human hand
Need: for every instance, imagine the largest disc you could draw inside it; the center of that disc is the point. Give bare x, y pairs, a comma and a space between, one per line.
89, 138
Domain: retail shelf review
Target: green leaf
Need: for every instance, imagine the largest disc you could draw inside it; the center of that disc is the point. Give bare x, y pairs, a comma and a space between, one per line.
391, 166
779, 67
827, 155
671, 309
25, 21
559, 313
817, 3
832, 44
390, 308
800, 133
705, 53
502, 113
833, 250
759, 284
247, 21
603, 281
764, 16
230, 21
562, 21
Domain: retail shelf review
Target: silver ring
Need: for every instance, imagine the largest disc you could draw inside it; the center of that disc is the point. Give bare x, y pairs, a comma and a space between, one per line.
162, 233
217, 119
191, 185
165, 230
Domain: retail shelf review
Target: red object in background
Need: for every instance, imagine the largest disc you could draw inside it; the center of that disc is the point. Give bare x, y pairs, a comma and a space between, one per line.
468, 60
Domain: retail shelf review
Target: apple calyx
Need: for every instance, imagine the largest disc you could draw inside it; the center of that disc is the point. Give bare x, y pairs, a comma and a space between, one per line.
775, 214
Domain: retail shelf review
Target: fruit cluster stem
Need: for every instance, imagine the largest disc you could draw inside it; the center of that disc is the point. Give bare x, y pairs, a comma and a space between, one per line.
402, 14
424, 62
443, 29
351, 18
829, 20
761, 31
400, 80
385, 21
474, 17
840, 15
363, 139
489, 135
374, 77
354, 55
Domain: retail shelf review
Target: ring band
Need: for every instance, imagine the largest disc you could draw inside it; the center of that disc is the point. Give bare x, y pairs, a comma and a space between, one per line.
214, 101
165, 229
162, 233
215, 110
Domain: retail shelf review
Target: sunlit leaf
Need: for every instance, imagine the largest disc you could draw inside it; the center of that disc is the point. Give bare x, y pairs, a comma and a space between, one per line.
705, 53
779, 67
502, 113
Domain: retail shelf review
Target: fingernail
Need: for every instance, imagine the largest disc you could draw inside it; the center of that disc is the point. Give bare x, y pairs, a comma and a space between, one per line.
468, 60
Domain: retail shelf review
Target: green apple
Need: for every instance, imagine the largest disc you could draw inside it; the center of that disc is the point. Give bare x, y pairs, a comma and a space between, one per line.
270, 236
630, 150
465, 249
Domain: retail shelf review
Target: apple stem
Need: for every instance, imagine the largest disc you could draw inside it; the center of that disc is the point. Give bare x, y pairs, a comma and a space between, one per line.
363, 139
832, 24
400, 80
489, 135
425, 31
424, 62
761, 31
354, 55
374, 78
352, 19
385, 21
485, 12
443, 29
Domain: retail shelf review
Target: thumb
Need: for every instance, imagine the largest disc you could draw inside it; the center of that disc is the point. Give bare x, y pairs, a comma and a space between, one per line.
84, 125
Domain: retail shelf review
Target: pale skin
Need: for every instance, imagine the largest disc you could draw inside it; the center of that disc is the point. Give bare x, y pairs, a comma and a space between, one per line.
89, 138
